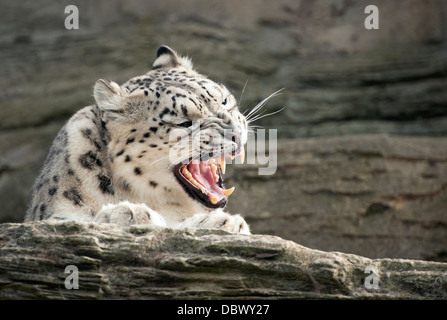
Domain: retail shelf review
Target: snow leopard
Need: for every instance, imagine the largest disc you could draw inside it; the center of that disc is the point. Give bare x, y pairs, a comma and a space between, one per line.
150, 151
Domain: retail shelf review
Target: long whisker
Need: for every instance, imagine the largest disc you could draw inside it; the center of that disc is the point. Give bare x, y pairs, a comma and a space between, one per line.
258, 107
242, 93
260, 116
263, 102
186, 157
161, 159
255, 108
253, 129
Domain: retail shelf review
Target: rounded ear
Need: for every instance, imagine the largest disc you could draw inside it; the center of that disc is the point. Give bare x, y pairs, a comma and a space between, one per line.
165, 50
109, 98
168, 59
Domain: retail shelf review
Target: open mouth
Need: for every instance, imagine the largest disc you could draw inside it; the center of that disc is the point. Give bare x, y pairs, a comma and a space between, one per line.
204, 182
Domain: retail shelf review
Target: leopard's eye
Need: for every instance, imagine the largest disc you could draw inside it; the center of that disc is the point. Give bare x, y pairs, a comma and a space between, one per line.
185, 124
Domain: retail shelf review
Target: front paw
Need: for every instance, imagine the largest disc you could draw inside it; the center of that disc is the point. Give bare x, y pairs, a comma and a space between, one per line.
126, 214
221, 220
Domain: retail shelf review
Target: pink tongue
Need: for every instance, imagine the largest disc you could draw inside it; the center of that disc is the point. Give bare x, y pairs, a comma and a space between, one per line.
201, 171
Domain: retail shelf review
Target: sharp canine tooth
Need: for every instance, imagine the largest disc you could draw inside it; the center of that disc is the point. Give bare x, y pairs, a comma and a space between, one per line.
242, 154
213, 199
222, 164
228, 192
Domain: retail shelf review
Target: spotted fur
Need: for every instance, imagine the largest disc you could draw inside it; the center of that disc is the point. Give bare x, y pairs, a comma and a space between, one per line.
110, 162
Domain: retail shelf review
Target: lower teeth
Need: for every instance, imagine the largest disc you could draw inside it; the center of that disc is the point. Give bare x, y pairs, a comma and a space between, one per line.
214, 199
188, 176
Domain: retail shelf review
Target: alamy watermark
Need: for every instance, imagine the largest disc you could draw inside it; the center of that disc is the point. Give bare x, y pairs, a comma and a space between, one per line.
72, 20
201, 144
372, 280
372, 20
72, 280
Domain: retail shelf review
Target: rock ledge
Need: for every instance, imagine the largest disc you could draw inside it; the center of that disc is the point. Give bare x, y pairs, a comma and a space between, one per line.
141, 262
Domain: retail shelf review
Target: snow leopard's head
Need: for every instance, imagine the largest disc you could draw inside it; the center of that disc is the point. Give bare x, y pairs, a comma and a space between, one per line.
172, 129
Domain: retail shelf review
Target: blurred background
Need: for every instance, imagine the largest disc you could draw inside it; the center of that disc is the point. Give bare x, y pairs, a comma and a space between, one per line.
362, 149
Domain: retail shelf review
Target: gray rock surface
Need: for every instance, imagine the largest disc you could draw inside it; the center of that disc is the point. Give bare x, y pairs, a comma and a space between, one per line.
339, 77
373, 195
139, 262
